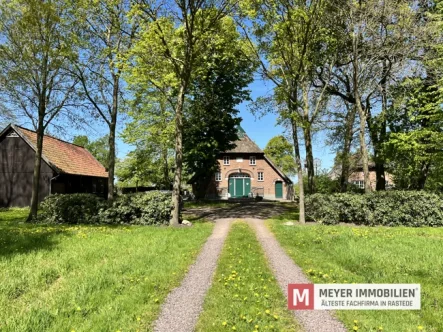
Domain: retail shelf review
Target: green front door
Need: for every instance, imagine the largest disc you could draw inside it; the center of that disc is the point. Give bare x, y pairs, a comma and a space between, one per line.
279, 189
239, 190
239, 187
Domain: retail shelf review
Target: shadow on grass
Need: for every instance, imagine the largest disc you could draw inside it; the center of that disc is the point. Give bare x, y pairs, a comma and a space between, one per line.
25, 238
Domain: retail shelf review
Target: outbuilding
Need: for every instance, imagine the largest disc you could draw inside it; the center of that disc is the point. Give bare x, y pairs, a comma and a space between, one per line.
66, 168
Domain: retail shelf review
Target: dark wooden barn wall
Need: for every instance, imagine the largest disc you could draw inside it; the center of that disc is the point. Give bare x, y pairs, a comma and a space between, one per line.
16, 169
70, 184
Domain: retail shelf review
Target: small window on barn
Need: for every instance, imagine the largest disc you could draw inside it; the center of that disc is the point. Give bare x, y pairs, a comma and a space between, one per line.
218, 177
226, 160
260, 176
252, 160
12, 134
239, 159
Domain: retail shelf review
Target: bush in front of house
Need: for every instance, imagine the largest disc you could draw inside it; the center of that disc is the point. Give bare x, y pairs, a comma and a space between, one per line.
387, 208
149, 208
71, 209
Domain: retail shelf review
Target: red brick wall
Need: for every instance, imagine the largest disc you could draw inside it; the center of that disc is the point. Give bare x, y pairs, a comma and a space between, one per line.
267, 185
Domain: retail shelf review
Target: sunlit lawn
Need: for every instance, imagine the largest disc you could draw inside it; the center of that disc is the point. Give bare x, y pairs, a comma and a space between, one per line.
86, 278
347, 254
245, 295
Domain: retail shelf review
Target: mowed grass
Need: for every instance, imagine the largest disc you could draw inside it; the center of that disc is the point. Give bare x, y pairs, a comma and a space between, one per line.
244, 295
347, 254
86, 278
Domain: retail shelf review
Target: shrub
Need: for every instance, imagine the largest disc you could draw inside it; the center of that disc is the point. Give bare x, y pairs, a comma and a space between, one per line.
150, 208
388, 208
71, 209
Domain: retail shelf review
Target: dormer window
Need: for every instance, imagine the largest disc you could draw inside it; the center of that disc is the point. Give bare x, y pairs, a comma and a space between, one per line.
252, 160
226, 160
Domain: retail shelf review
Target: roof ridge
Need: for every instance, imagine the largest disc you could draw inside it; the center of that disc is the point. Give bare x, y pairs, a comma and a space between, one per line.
50, 136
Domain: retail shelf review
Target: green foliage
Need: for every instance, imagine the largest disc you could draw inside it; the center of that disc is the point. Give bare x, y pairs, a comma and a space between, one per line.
71, 209
151, 208
151, 131
98, 148
387, 208
281, 153
324, 184
415, 145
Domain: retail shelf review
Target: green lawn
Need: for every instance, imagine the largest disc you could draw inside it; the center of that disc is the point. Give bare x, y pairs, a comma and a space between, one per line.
244, 295
346, 254
86, 278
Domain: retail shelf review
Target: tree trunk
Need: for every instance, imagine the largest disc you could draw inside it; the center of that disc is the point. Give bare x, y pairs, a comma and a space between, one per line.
166, 181
112, 128
299, 172
309, 158
37, 167
423, 175
345, 163
363, 147
111, 162
175, 218
361, 112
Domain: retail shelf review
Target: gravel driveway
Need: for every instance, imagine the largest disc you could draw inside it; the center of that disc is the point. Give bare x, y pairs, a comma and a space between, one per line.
287, 272
183, 305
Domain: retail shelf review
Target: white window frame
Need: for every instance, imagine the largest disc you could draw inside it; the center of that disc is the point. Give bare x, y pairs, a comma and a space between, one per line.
252, 160
226, 160
260, 176
359, 183
218, 176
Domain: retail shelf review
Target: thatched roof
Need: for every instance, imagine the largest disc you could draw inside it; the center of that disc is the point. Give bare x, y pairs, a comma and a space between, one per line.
244, 144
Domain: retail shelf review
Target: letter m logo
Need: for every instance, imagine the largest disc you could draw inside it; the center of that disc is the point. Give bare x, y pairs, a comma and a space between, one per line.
300, 296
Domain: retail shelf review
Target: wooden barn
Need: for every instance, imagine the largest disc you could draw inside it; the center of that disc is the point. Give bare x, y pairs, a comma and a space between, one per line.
66, 168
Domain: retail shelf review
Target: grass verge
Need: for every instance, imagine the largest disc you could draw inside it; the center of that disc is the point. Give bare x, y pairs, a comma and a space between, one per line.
245, 295
86, 278
346, 254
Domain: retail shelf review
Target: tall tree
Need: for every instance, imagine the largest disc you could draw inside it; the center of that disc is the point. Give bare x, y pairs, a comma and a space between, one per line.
174, 34
380, 43
36, 52
289, 39
219, 85
281, 152
107, 35
151, 131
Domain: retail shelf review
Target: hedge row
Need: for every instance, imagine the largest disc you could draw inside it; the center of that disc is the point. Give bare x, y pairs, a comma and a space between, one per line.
150, 208
388, 208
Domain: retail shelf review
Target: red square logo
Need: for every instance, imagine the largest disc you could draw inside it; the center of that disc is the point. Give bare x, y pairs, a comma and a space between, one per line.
301, 296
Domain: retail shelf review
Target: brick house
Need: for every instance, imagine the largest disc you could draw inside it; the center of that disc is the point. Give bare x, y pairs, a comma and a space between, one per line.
357, 176
66, 168
246, 171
